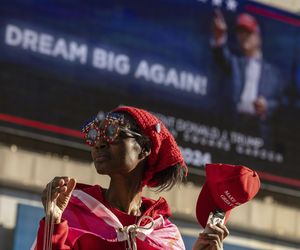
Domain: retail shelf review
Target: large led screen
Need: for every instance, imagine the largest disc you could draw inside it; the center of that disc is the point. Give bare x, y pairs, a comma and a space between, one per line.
63, 62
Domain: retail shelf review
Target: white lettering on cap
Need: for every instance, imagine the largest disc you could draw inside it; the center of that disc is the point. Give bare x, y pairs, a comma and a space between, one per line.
229, 199
228, 202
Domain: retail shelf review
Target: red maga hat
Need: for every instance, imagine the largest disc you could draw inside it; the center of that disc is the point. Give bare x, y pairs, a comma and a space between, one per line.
247, 22
226, 186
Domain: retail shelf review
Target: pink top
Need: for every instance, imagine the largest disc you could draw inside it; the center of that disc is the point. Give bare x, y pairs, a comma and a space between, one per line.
90, 223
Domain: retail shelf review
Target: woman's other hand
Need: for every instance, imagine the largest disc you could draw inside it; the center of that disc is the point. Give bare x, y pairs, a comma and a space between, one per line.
212, 240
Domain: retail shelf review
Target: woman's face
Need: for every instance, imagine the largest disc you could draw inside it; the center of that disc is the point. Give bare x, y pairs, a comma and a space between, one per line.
121, 156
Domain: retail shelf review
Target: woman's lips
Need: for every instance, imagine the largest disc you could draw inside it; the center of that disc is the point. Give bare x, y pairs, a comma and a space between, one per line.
100, 158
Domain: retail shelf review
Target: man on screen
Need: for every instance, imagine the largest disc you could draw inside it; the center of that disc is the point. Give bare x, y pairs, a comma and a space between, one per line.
255, 84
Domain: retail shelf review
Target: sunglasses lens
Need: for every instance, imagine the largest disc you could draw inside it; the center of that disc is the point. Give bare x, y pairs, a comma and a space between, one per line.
111, 131
92, 134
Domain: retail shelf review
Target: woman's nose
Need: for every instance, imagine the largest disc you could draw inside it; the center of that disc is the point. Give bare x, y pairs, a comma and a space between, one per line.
101, 143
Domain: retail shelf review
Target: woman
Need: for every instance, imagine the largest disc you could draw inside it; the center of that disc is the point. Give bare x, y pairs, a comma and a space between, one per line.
135, 149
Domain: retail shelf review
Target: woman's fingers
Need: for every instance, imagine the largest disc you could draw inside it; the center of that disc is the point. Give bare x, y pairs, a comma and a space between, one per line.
57, 186
64, 197
209, 242
216, 235
225, 230
217, 229
212, 240
57, 182
201, 243
60, 181
70, 186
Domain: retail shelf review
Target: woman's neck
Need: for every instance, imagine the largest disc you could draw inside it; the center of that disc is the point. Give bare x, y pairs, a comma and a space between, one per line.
125, 195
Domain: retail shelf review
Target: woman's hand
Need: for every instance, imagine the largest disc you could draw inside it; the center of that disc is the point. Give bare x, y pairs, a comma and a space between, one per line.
212, 240
61, 190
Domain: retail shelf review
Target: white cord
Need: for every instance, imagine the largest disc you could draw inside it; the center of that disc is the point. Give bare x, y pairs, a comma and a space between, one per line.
132, 230
49, 219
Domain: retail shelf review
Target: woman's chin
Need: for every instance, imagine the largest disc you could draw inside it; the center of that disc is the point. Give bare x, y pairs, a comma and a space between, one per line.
101, 168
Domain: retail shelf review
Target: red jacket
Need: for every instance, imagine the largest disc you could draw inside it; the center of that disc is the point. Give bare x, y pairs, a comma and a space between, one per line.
90, 223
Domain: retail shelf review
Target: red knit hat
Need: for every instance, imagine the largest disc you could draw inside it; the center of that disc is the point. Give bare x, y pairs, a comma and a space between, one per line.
165, 152
226, 186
